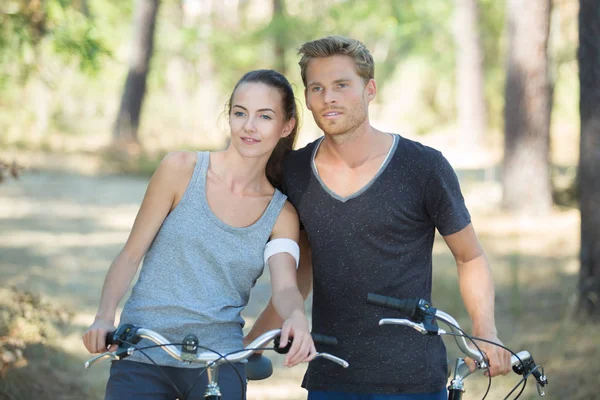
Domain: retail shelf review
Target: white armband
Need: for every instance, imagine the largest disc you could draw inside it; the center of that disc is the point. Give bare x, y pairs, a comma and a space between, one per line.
282, 245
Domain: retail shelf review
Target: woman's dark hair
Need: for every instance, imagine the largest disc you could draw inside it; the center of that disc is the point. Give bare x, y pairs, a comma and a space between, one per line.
274, 79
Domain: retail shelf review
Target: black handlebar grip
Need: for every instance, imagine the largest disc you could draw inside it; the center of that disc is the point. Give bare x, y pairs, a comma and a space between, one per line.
324, 339
317, 338
408, 307
110, 338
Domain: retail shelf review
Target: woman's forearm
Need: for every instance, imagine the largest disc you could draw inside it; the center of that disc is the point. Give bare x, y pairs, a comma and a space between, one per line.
288, 302
117, 282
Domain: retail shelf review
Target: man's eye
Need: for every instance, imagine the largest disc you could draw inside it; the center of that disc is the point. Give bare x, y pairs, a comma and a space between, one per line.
343, 85
316, 89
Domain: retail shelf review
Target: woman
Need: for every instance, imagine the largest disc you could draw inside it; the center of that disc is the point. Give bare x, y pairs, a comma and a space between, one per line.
202, 230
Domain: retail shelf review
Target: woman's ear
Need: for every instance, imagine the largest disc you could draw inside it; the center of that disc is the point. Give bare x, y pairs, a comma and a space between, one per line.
288, 127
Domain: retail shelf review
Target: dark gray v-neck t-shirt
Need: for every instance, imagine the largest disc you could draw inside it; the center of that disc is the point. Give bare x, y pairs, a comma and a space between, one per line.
378, 240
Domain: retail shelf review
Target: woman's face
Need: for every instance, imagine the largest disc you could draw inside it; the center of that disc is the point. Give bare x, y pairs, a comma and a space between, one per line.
257, 120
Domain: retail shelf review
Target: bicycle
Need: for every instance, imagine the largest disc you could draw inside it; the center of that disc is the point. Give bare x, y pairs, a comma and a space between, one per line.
260, 367
421, 316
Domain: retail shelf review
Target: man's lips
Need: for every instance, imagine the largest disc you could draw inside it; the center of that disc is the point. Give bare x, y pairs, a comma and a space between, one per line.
332, 114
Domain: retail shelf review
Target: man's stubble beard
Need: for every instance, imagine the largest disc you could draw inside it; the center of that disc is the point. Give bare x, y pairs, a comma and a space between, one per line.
340, 130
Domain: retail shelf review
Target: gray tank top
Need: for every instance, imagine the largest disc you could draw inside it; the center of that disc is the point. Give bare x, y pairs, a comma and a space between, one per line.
197, 274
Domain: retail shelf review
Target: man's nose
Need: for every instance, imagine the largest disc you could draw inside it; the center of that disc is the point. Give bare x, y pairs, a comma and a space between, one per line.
329, 97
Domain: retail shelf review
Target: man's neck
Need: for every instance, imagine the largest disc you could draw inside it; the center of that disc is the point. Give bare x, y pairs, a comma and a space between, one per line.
354, 149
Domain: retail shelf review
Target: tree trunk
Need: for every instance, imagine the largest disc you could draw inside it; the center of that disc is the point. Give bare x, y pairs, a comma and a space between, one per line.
469, 75
278, 16
526, 170
589, 160
128, 120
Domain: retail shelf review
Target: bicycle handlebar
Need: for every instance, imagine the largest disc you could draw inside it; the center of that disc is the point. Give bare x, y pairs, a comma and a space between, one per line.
421, 317
134, 334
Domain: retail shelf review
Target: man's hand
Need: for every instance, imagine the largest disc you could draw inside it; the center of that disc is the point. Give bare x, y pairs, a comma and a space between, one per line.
498, 359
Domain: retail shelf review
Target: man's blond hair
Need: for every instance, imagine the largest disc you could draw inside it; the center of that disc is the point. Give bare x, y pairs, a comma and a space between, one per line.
338, 45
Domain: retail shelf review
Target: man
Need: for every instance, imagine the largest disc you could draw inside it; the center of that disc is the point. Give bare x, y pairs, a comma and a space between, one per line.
370, 202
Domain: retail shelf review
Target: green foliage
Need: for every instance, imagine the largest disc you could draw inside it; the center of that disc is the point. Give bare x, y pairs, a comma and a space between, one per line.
30, 28
61, 43
491, 26
76, 37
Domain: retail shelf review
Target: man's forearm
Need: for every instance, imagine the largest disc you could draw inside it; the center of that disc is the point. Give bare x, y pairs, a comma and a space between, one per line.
267, 320
477, 290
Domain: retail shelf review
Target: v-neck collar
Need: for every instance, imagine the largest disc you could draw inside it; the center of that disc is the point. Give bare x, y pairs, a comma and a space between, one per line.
343, 199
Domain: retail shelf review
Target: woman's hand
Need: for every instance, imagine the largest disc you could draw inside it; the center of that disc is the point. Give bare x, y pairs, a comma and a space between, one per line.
303, 348
94, 337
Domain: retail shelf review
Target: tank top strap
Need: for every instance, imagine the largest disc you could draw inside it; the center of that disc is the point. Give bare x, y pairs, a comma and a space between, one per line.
195, 182
273, 210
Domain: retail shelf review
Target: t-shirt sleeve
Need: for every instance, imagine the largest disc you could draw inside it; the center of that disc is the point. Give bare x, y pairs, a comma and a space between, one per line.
286, 186
444, 201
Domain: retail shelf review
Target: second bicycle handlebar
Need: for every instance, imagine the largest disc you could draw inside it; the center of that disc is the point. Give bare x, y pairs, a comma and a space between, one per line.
420, 315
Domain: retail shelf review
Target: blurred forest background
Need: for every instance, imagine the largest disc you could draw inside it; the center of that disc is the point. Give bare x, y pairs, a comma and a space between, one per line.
93, 93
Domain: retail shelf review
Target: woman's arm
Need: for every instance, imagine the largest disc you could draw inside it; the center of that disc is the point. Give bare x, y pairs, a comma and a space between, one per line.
166, 187
286, 297
268, 318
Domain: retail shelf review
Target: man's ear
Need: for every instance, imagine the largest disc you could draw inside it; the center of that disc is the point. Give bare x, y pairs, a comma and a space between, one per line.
288, 127
306, 99
371, 89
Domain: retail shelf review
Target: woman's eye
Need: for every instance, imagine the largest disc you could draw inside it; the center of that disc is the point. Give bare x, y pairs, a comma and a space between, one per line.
266, 117
238, 114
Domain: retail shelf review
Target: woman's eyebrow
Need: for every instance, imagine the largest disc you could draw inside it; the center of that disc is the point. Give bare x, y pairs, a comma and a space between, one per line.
261, 110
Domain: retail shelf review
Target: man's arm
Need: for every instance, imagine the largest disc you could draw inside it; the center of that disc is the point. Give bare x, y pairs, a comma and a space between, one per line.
269, 319
477, 290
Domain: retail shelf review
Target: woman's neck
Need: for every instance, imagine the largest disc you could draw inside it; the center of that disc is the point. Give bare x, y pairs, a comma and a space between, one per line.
242, 175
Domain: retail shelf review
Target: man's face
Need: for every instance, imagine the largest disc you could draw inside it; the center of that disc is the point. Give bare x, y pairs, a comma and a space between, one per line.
336, 95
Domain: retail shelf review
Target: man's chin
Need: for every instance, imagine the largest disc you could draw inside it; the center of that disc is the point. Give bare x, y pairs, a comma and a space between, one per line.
331, 128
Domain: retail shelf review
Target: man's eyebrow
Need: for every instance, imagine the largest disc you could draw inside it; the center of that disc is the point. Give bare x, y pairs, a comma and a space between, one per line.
261, 110
315, 83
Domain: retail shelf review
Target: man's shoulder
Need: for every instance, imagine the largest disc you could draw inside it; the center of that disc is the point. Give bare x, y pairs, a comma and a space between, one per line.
414, 153
416, 148
301, 156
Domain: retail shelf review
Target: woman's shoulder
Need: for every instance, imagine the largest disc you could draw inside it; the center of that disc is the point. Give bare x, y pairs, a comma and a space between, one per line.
179, 161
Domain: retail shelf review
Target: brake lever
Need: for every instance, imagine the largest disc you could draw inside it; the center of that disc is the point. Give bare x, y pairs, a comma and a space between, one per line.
333, 358
420, 327
540, 389
100, 357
